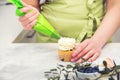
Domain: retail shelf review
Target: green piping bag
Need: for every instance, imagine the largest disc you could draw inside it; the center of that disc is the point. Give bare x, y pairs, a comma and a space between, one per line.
42, 25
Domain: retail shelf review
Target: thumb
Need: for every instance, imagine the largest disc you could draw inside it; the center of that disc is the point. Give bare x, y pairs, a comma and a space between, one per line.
26, 7
24, 4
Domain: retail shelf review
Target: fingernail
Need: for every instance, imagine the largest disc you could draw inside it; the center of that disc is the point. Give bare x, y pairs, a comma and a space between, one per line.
72, 60
74, 54
79, 62
90, 60
25, 9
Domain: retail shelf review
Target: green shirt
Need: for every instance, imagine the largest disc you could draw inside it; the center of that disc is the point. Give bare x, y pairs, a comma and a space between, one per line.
77, 19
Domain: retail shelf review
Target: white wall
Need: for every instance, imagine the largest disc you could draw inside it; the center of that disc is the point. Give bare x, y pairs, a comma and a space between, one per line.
9, 25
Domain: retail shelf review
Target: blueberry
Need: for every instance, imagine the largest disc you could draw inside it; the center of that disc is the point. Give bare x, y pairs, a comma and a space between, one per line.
89, 71
94, 71
90, 68
81, 70
96, 68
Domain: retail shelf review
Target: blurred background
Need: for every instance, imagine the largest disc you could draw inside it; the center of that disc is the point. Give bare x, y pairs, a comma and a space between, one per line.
11, 30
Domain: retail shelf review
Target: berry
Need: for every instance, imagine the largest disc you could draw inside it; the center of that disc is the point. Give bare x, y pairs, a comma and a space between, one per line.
89, 69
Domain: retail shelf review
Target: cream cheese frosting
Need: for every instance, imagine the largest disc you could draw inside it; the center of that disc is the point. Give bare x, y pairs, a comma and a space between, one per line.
66, 43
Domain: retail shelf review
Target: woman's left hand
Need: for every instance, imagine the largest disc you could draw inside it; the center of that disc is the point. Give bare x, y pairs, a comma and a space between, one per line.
89, 49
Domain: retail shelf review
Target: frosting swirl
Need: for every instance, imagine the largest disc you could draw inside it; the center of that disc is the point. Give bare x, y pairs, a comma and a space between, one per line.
66, 43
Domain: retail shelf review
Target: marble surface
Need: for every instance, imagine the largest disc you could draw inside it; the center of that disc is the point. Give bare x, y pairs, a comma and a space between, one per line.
30, 61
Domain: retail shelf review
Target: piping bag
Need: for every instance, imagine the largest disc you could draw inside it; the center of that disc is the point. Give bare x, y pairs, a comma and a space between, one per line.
42, 25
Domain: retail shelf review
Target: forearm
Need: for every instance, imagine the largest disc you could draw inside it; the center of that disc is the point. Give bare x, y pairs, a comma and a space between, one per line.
109, 25
34, 3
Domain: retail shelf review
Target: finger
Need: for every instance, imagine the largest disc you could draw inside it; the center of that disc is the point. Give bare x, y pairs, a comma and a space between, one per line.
31, 19
34, 17
27, 5
25, 9
81, 54
110, 62
77, 57
86, 49
27, 16
29, 26
87, 56
80, 48
94, 57
24, 4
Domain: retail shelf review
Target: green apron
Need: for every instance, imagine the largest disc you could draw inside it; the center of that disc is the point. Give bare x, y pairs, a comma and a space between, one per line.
72, 18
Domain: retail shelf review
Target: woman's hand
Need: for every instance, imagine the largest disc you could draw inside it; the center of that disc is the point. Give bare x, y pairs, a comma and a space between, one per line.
30, 18
88, 49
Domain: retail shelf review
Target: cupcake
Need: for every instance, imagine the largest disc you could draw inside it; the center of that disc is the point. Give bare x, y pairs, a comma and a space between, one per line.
66, 48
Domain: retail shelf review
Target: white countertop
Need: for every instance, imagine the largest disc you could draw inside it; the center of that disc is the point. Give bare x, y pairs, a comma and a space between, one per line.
30, 61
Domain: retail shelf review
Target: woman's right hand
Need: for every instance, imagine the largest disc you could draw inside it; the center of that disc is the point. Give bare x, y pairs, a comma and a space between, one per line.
30, 18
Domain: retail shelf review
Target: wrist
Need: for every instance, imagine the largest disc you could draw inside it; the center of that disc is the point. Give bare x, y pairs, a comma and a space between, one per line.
98, 41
